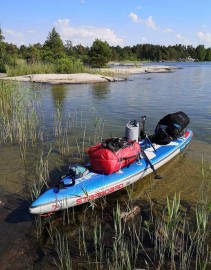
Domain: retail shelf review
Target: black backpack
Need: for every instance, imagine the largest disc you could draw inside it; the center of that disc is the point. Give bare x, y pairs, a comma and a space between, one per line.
115, 144
170, 127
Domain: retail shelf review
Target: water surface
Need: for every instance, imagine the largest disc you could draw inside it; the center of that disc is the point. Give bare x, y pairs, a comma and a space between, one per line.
110, 106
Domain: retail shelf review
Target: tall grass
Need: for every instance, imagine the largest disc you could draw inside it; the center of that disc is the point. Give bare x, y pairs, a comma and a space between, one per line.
171, 239
19, 119
22, 68
58, 120
72, 134
61, 66
42, 173
64, 261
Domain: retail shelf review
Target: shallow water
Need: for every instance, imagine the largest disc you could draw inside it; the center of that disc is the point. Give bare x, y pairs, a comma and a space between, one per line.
110, 106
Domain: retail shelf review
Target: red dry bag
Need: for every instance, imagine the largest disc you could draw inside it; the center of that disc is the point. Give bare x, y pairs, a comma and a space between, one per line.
113, 154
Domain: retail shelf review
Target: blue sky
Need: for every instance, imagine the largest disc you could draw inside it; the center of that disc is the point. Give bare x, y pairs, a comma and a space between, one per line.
119, 22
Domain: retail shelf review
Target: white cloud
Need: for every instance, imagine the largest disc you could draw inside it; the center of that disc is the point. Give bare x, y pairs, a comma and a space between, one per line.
134, 17
148, 22
144, 39
183, 40
204, 36
14, 36
85, 35
168, 30
179, 36
31, 31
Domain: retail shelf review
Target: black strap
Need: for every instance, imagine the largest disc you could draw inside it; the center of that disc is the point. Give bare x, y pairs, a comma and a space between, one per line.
126, 158
62, 185
115, 144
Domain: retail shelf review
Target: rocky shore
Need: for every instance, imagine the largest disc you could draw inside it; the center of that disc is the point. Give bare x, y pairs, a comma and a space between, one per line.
139, 69
85, 78
79, 78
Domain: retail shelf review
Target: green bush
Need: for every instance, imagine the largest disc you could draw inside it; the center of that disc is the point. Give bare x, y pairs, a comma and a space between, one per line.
2, 66
66, 65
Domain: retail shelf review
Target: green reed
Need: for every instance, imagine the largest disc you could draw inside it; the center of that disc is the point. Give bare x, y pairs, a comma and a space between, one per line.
64, 126
65, 143
175, 237
120, 256
81, 149
99, 244
23, 68
20, 122
72, 134
167, 232
19, 119
61, 246
42, 173
58, 120
62, 250
98, 127
178, 242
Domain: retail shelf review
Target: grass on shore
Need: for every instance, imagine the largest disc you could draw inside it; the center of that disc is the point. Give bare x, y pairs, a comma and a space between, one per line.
62, 66
21, 67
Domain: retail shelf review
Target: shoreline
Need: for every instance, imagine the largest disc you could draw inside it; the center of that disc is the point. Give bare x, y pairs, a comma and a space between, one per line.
88, 78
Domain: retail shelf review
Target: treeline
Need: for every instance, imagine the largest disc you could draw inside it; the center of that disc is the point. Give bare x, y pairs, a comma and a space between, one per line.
59, 57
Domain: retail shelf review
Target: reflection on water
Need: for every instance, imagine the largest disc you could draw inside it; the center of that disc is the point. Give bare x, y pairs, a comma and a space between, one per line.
186, 89
59, 93
101, 90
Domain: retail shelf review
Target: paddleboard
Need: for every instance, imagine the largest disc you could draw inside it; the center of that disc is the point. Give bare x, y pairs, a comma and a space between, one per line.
95, 185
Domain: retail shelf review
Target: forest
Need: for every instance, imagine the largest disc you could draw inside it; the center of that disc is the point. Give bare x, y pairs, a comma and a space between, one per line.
56, 56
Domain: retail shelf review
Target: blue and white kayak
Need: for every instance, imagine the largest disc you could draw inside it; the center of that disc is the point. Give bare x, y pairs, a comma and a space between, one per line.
95, 185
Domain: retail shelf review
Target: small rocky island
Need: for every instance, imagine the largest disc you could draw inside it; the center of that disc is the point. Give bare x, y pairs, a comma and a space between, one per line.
85, 78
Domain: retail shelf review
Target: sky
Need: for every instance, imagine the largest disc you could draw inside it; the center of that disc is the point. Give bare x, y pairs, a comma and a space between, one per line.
119, 22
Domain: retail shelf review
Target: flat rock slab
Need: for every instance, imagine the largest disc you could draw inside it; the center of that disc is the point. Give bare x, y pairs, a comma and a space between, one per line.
79, 78
142, 69
86, 78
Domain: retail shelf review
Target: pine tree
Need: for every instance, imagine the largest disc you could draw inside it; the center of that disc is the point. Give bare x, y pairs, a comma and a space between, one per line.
53, 47
1, 36
99, 53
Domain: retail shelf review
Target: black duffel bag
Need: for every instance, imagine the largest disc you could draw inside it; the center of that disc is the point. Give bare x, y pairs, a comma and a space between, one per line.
170, 127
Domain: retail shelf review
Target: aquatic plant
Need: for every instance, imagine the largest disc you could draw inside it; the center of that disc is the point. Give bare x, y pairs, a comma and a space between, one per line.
171, 238
19, 118
42, 172
62, 250
58, 120
112, 239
